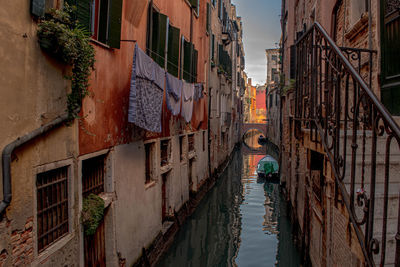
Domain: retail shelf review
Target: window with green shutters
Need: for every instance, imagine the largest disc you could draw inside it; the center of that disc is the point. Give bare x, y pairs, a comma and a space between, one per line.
187, 59
102, 18
212, 47
173, 50
158, 37
190, 59
195, 4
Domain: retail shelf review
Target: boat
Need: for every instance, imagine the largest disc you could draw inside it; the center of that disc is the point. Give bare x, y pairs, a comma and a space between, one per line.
268, 167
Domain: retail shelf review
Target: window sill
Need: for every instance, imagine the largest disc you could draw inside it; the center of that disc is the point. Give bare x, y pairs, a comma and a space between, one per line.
149, 185
100, 44
108, 198
192, 154
166, 168
48, 252
357, 27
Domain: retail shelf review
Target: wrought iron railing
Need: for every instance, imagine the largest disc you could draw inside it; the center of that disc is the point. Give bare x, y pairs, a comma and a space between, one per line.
337, 108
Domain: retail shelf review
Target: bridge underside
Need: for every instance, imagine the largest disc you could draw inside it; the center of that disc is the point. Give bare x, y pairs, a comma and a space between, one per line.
262, 127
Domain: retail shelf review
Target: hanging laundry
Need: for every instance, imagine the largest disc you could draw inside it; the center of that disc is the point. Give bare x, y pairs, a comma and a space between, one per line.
187, 101
199, 109
146, 93
174, 92
198, 91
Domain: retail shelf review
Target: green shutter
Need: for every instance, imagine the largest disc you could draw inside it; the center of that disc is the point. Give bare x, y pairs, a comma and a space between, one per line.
173, 50
114, 32
193, 3
159, 38
103, 31
187, 47
83, 12
194, 66
212, 47
38, 7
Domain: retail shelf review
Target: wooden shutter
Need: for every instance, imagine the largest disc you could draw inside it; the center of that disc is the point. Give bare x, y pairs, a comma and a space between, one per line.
212, 47
83, 12
38, 7
159, 38
103, 16
114, 33
173, 50
187, 58
194, 65
193, 3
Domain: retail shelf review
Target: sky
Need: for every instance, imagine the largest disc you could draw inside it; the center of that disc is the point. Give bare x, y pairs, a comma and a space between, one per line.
261, 30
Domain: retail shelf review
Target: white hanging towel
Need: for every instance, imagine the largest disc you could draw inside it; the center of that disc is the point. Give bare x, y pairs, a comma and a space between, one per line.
187, 103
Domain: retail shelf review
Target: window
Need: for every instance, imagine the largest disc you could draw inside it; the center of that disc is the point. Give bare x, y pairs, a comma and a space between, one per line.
271, 100
39, 7
173, 50
158, 37
195, 4
165, 152
149, 151
93, 175
208, 21
214, 2
190, 56
220, 9
52, 206
212, 47
273, 58
191, 142
357, 9
102, 18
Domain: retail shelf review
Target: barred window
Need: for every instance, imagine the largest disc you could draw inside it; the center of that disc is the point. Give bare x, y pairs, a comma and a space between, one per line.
165, 152
52, 206
93, 175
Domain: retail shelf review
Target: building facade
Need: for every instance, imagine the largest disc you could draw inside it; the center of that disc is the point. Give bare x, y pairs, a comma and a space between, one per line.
339, 171
273, 95
144, 177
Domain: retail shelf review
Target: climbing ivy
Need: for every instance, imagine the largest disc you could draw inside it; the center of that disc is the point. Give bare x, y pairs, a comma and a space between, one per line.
62, 37
92, 213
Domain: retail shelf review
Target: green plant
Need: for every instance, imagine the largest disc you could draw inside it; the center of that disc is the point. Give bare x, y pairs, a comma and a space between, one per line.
62, 37
288, 87
92, 213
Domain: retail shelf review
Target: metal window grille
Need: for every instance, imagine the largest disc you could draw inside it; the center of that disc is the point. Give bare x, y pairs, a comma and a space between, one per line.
191, 142
93, 175
164, 152
52, 206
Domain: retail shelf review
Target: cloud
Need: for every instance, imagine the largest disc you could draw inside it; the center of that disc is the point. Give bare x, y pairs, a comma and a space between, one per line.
261, 23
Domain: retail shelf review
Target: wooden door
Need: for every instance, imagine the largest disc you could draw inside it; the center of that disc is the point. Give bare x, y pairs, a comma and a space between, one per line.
95, 255
390, 43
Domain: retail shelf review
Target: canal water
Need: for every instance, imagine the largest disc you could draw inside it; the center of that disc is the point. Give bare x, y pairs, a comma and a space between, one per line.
242, 221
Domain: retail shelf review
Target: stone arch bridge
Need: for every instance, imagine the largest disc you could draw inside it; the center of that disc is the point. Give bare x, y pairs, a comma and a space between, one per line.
262, 127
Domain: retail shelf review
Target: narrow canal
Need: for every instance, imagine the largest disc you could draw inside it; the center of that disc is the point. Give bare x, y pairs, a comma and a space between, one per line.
241, 222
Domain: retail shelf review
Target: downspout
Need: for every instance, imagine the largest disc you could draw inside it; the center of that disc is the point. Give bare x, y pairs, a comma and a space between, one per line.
11, 147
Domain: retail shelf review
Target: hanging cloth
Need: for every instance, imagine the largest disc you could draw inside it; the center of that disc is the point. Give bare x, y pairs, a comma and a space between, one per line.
174, 91
198, 91
146, 93
187, 101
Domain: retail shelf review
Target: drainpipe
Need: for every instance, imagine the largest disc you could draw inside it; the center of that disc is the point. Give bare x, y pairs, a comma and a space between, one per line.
10, 148
209, 98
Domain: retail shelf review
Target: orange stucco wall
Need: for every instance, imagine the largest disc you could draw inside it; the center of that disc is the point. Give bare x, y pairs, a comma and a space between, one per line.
103, 122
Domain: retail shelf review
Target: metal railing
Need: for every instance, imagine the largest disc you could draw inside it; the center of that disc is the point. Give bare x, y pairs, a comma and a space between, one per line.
335, 105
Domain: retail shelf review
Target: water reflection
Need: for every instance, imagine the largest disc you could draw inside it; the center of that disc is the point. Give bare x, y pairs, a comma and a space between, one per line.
241, 222
251, 139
